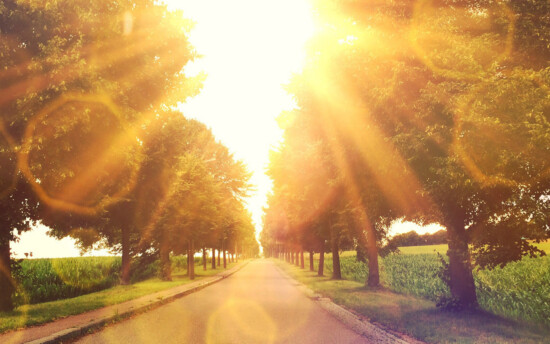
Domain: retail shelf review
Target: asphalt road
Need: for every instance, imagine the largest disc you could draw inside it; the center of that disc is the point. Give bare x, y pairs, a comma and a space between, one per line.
255, 305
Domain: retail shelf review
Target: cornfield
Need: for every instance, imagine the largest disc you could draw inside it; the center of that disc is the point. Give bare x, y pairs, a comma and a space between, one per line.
520, 290
40, 280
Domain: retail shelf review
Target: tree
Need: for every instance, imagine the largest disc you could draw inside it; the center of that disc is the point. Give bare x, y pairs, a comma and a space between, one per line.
185, 186
18, 210
107, 66
418, 106
330, 125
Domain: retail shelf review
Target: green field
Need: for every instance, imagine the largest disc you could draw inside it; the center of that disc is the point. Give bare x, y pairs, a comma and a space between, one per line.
545, 246
520, 290
34, 314
43, 280
428, 249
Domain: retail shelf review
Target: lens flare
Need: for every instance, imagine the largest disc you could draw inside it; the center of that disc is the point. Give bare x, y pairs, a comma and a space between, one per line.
72, 195
436, 45
241, 317
488, 138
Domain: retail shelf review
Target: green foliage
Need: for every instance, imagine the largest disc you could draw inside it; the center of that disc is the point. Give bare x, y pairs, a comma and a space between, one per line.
180, 262
40, 280
412, 238
520, 290
29, 315
416, 275
144, 267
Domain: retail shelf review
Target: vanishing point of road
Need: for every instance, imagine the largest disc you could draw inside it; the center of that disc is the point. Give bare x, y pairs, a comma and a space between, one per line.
255, 305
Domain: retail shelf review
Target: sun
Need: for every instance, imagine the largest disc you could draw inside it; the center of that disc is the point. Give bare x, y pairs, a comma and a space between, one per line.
249, 34
249, 49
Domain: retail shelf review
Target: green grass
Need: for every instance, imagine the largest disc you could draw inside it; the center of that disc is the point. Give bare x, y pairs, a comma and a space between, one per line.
545, 246
419, 317
33, 314
520, 290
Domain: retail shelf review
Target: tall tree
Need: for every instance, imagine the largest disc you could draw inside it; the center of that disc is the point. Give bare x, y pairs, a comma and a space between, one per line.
71, 67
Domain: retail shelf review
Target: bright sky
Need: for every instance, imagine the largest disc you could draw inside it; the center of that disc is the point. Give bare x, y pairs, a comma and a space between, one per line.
250, 49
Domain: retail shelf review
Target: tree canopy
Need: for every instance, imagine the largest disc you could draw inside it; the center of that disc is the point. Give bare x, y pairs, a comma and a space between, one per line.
436, 111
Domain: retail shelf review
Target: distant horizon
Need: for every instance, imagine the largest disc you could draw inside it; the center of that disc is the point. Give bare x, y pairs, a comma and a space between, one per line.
44, 246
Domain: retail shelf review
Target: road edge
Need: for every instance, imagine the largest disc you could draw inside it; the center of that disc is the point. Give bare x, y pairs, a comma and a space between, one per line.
359, 325
82, 330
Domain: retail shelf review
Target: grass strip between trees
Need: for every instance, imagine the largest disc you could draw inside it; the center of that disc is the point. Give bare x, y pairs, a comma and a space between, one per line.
35, 314
418, 317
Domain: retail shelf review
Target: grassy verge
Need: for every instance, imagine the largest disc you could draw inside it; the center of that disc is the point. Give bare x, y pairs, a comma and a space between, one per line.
418, 317
519, 291
28, 315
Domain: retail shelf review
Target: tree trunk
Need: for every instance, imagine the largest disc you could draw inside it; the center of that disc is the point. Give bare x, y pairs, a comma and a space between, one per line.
219, 257
125, 265
6, 280
311, 267
369, 243
204, 258
213, 259
336, 273
188, 261
461, 280
191, 255
165, 264
224, 257
321, 260
302, 259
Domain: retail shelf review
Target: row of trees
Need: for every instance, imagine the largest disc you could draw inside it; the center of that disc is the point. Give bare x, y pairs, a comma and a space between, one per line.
412, 238
433, 111
89, 145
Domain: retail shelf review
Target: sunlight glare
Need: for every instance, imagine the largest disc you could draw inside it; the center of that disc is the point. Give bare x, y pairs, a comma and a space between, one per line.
249, 49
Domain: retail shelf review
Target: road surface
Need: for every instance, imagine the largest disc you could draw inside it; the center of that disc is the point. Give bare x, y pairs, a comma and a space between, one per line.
255, 305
